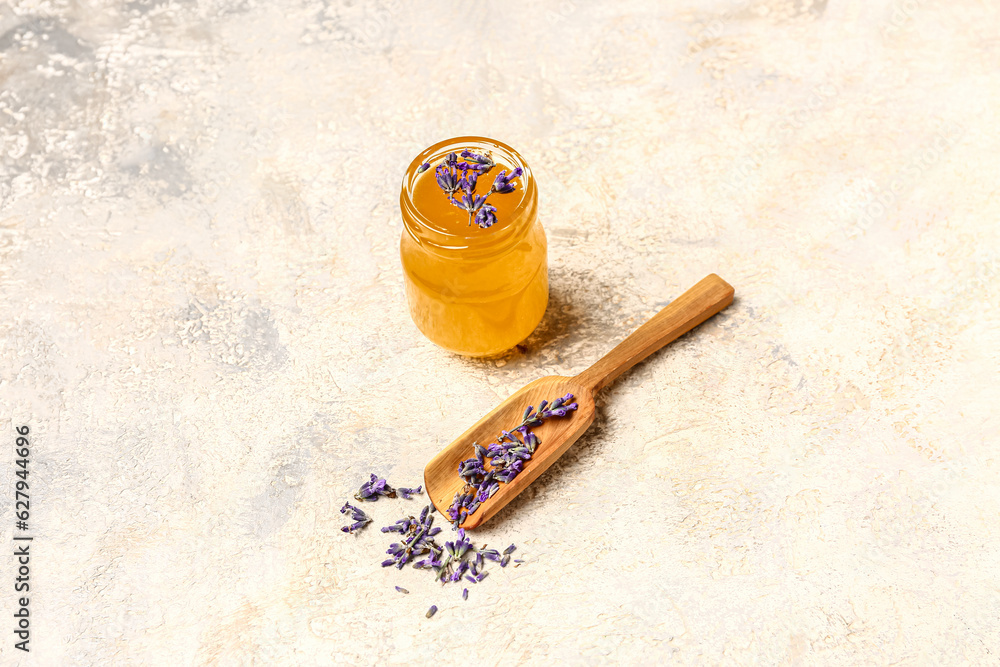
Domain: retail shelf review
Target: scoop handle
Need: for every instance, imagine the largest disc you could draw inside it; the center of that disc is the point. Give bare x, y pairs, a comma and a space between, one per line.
684, 313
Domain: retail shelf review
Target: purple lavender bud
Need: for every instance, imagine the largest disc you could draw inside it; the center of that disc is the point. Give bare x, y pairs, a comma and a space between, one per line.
447, 179
481, 576
471, 579
432, 611
424, 167
452, 158
468, 182
402, 590
433, 531
509, 550
486, 217
387, 562
481, 163
502, 183
472, 202
572, 406
465, 593
504, 561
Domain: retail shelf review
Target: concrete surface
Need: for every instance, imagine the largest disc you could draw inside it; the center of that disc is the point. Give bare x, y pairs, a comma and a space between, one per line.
203, 324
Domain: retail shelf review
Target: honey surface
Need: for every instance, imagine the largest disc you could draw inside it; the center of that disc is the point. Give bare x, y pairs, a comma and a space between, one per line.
434, 204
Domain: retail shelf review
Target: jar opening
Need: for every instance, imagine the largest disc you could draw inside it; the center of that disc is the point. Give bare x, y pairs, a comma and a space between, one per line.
515, 211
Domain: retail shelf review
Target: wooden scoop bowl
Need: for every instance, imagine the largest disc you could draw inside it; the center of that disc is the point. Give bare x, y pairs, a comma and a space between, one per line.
441, 479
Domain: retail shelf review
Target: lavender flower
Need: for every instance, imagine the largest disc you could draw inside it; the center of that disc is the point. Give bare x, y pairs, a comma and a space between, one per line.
506, 456
502, 183
433, 610
468, 182
465, 593
482, 163
402, 590
371, 490
360, 518
408, 493
453, 176
470, 202
447, 179
486, 217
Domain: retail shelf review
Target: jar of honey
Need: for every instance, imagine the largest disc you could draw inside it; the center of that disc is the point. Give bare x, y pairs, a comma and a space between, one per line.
476, 275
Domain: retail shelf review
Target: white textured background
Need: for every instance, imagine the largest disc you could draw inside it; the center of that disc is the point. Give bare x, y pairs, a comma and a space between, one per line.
202, 320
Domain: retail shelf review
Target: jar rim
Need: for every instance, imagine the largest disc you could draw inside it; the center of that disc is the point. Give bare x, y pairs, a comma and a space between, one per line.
474, 243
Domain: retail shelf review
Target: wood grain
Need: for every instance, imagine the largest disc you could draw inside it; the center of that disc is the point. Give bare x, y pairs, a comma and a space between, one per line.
441, 479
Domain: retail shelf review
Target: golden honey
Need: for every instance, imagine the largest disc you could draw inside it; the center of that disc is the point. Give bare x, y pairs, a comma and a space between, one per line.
474, 291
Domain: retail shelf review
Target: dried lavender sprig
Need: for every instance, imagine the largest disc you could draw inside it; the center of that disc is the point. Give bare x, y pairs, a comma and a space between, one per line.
375, 488
408, 493
453, 176
359, 517
506, 457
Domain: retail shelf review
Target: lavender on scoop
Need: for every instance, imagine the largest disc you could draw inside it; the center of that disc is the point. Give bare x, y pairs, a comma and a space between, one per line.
507, 457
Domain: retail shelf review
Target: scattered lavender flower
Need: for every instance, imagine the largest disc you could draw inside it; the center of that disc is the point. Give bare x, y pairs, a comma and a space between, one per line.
371, 490
453, 176
360, 518
402, 590
506, 457
408, 493
465, 593
433, 610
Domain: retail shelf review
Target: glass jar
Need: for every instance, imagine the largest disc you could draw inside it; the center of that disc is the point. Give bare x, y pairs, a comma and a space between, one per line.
474, 291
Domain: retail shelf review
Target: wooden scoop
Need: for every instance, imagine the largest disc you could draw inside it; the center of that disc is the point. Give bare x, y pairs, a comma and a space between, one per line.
441, 479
